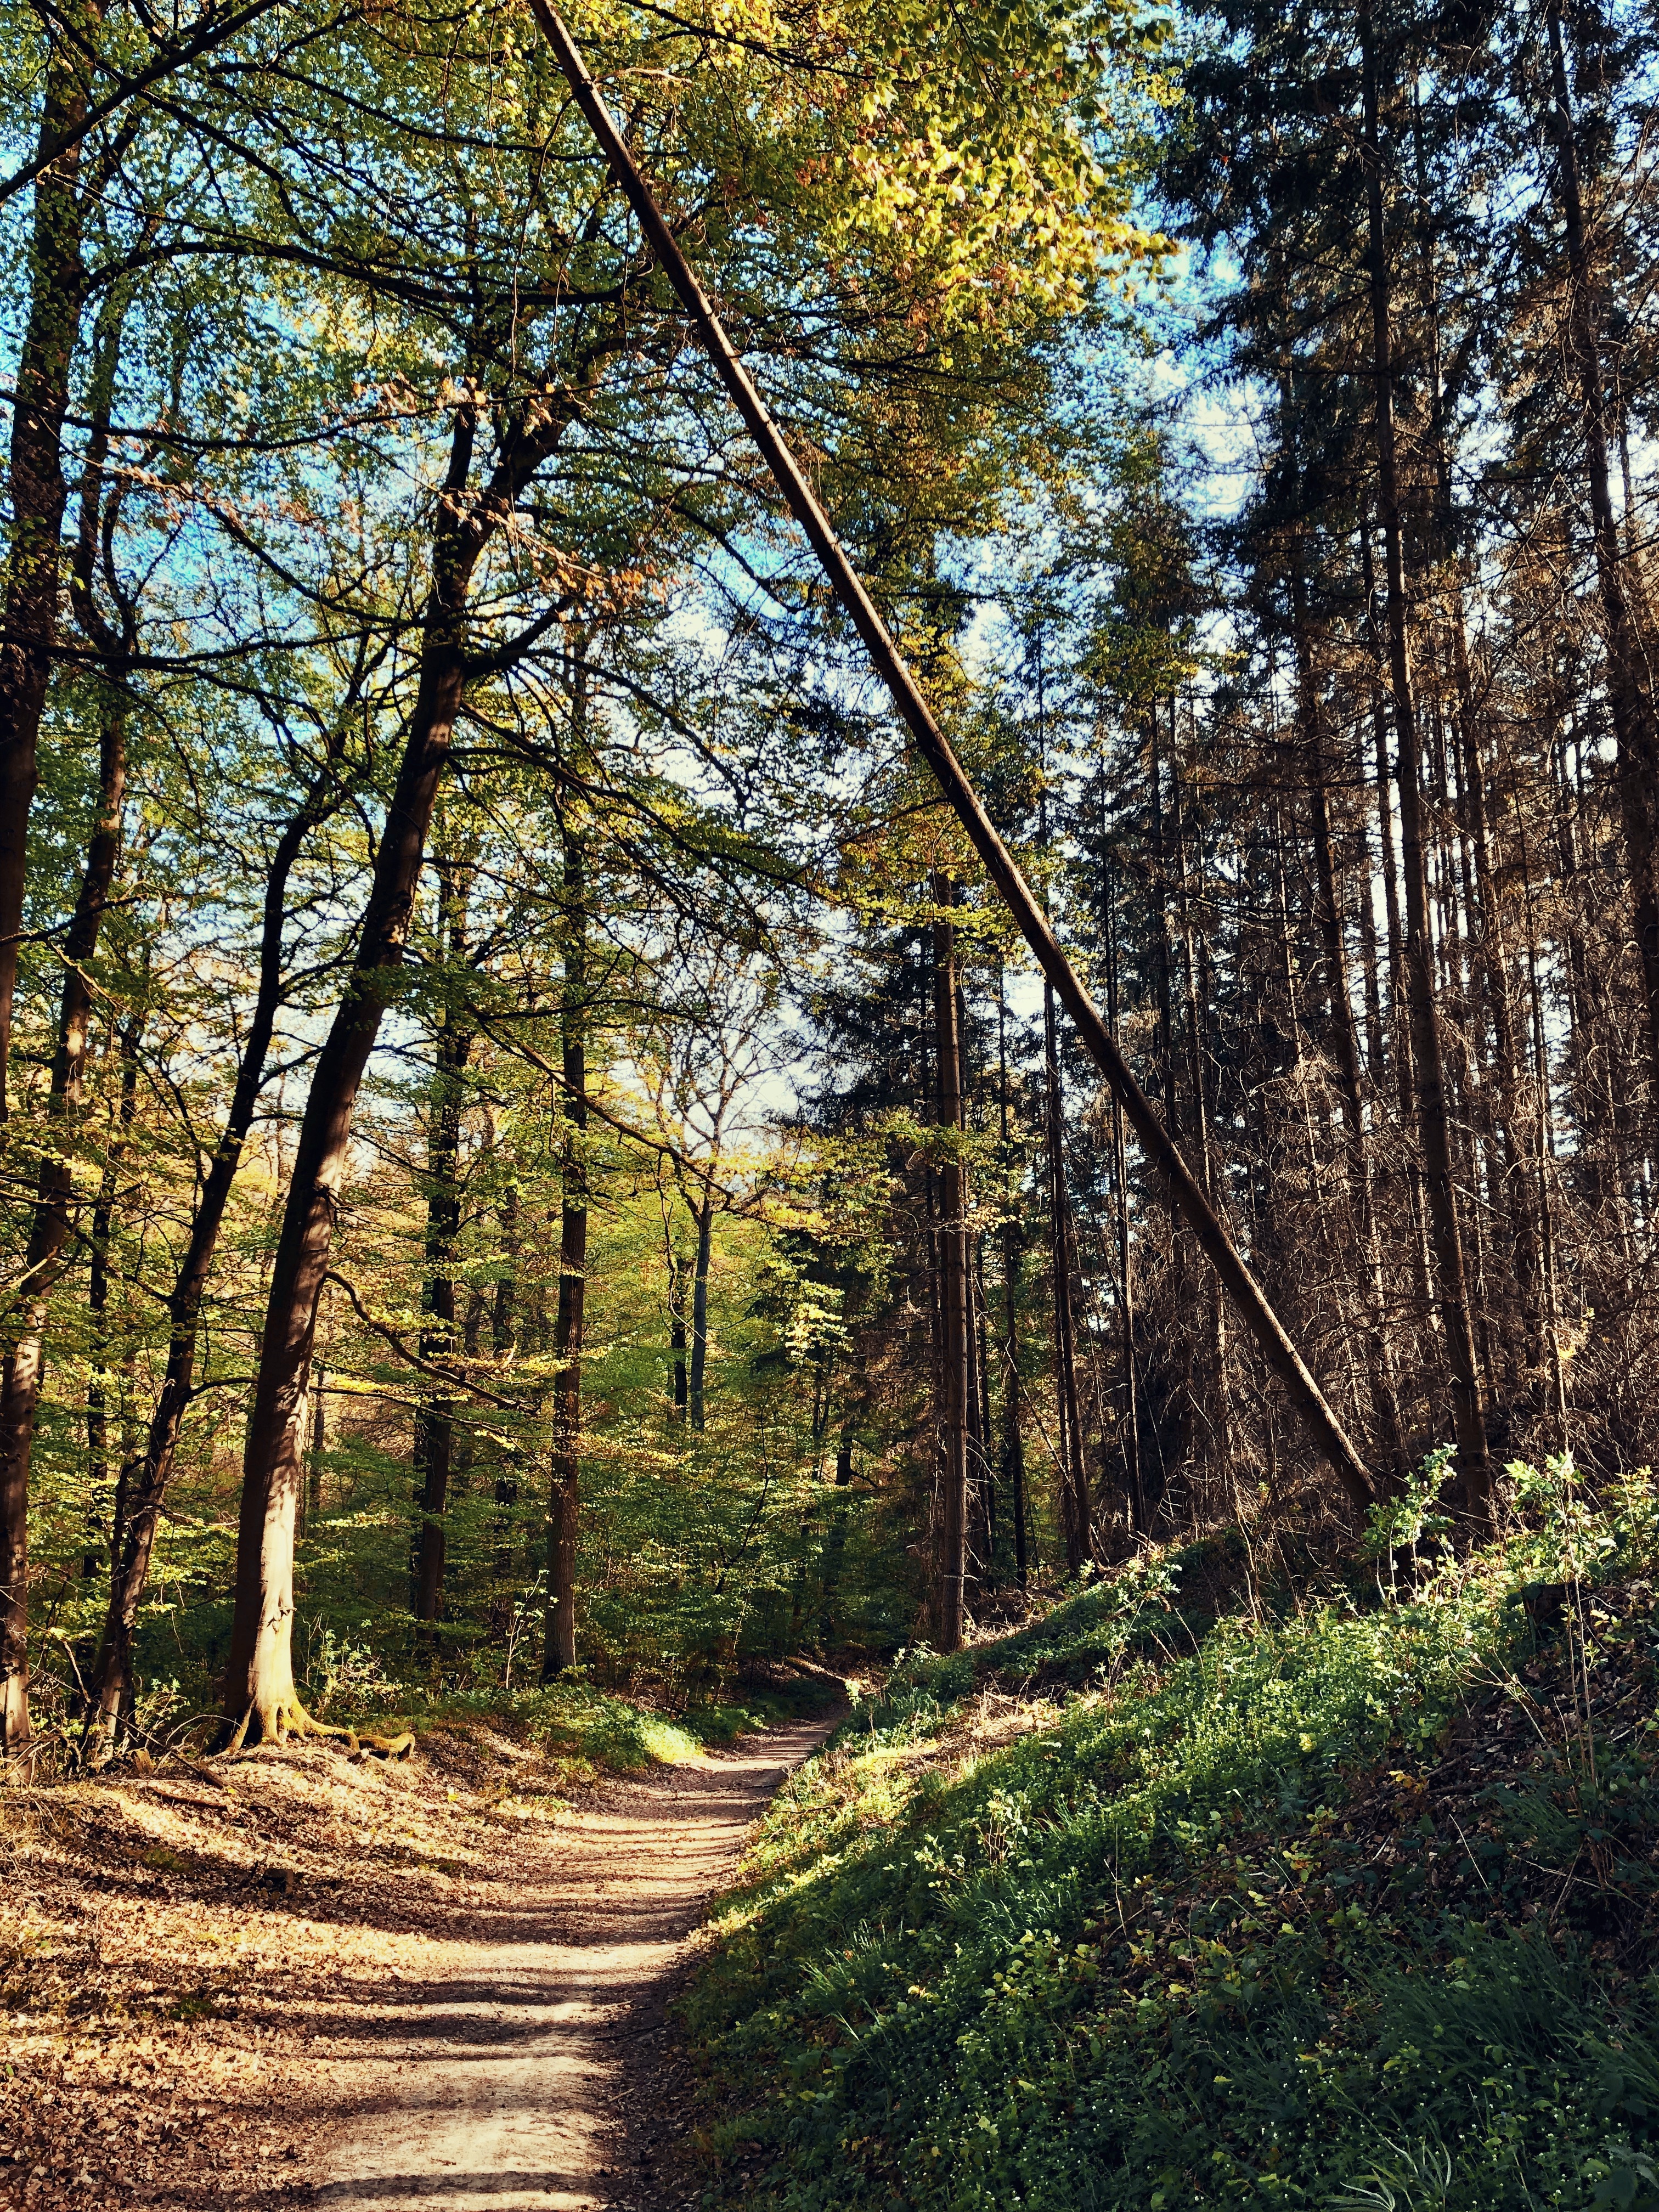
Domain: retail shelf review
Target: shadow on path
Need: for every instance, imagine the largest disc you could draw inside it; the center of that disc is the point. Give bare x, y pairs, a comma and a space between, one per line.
504, 2083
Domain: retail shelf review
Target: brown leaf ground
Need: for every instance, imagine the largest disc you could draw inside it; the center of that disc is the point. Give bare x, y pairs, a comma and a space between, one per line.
356, 1984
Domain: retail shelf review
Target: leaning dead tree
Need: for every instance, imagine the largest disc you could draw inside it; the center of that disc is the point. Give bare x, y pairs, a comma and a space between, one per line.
1271, 1338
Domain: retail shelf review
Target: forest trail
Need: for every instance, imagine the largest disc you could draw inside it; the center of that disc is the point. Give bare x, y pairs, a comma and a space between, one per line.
524, 2071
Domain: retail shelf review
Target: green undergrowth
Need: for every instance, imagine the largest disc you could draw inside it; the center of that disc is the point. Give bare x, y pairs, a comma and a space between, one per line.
1349, 1904
585, 1732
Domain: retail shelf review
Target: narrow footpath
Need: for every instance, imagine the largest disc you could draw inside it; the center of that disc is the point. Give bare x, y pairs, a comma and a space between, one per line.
532, 2071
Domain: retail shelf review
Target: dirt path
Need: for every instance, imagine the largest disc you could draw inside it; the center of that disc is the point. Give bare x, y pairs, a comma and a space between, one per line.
305, 1980
526, 2071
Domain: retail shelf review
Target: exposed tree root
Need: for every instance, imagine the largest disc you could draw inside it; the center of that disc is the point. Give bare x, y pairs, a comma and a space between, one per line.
387, 1747
284, 1721
287, 1721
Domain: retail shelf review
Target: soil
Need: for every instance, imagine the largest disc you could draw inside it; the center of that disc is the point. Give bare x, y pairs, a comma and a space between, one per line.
295, 1980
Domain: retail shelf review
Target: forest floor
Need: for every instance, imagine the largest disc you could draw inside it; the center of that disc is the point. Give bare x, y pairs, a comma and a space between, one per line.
295, 1979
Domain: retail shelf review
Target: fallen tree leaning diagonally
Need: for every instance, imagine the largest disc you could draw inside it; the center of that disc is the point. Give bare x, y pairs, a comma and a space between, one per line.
1271, 1336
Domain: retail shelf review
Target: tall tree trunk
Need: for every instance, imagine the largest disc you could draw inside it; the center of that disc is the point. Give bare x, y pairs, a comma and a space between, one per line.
1134, 1488
1516, 1202
504, 1326
953, 1413
703, 1214
1400, 1034
1074, 1516
1475, 1463
986, 1476
27, 643
679, 1391
144, 1483
1220, 1416
1344, 1036
98, 1290
1630, 679
259, 1690
1398, 993
1013, 1442
434, 1425
1544, 1142
28, 612
50, 1229
564, 1498
1364, 915
1163, 950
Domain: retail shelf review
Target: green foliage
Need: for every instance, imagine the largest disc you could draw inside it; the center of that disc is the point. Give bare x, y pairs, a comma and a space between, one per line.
1212, 1931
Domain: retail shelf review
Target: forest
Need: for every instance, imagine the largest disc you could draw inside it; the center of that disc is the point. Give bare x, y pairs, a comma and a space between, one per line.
954, 982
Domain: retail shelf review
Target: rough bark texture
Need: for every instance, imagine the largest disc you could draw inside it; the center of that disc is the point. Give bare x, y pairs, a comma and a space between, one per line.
1074, 1484
1013, 1440
1630, 679
28, 630
29, 619
98, 1293
951, 1556
1432, 1117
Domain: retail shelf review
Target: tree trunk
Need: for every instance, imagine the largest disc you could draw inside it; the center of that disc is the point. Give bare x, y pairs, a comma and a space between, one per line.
1469, 1412
1164, 970
28, 614
704, 1215
1220, 1414
679, 1391
434, 1425
144, 1483
564, 1495
1074, 1516
953, 1413
1013, 1442
49, 1233
504, 1322
1516, 1205
1344, 1035
1134, 1499
985, 1471
39, 496
98, 1290
1630, 692
259, 1691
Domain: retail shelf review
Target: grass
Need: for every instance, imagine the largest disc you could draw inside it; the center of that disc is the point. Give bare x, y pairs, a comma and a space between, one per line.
1157, 1904
585, 1732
